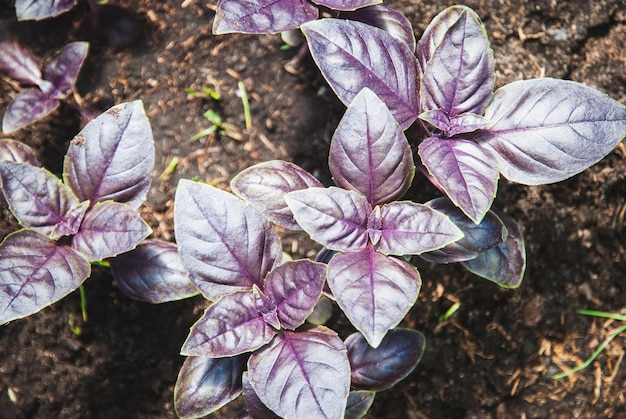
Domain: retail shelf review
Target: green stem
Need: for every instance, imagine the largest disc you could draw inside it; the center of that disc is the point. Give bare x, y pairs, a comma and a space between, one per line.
83, 303
246, 105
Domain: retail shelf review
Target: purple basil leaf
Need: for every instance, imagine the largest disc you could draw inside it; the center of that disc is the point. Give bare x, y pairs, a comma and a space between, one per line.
265, 184
40, 201
295, 287
346, 4
353, 55
108, 229
459, 76
37, 9
152, 272
436, 31
266, 307
225, 244
62, 69
373, 290
410, 229
231, 326
504, 264
547, 130
28, 106
381, 368
369, 152
206, 384
112, 157
387, 19
302, 374
465, 171
262, 16
19, 64
35, 272
359, 402
15, 151
334, 217
477, 237
256, 408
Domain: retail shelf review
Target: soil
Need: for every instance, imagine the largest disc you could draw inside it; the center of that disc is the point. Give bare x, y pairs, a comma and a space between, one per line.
494, 358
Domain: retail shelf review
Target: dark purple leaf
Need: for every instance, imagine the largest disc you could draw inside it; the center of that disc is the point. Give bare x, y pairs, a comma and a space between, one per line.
504, 264
15, 151
206, 384
37, 9
436, 31
62, 69
19, 64
359, 402
477, 237
295, 287
262, 16
256, 408
109, 229
353, 55
547, 130
465, 171
410, 229
231, 326
35, 272
334, 217
302, 374
152, 272
369, 152
381, 368
373, 290
112, 157
265, 184
459, 76
346, 4
40, 201
387, 19
225, 244
28, 106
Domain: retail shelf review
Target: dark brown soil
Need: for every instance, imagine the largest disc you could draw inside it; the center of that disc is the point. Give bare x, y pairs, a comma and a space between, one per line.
494, 358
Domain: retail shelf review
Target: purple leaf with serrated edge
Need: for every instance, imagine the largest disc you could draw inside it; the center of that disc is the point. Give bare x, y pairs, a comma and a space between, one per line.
346, 4
302, 374
262, 16
225, 244
465, 171
230, 326
152, 272
410, 229
436, 31
383, 367
373, 290
62, 69
256, 408
206, 384
15, 151
504, 264
37, 10
108, 229
334, 217
353, 55
19, 64
35, 272
265, 184
359, 402
112, 157
369, 152
459, 76
387, 19
477, 237
295, 287
28, 106
547, 130
40, 201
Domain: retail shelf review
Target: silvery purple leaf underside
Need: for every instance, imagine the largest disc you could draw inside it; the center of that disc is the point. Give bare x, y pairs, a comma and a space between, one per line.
18, 152
346, 4
62, 69
37, 10
20, 64
262, 16
27, 107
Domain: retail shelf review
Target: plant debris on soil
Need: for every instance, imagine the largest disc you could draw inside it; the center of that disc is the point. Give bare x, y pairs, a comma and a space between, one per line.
494, 358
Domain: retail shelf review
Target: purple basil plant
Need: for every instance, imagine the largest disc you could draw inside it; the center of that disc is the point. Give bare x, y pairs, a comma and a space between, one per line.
53, 85
88, 216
